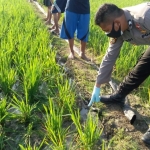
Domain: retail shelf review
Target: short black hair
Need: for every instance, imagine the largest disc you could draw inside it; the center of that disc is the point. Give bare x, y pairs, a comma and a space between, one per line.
107, 13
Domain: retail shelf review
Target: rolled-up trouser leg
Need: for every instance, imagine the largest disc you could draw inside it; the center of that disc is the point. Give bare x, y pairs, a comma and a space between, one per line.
139, 73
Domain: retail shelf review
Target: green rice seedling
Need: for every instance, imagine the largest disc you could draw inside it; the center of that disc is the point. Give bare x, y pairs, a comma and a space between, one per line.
51, 71
24, 108
27, 143
30, 147
97, 40
149, 95
8, 74
103, 145
32, 78
144, 91
2, 138
66, 94
3, 110
28, 133
53, 125
88, 133
128, 57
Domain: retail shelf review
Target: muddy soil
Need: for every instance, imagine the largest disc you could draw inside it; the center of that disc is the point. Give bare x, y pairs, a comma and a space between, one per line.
112, 117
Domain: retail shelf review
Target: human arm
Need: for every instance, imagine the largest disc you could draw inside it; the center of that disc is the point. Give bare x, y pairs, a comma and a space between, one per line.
108, 61
106, 68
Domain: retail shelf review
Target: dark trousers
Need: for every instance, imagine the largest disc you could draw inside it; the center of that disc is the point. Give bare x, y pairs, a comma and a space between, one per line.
139, 73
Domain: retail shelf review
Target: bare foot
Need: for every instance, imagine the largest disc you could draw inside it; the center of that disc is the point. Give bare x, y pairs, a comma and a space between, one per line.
85, 58
55, 32
48, 22
51, 28
45, 19
71, 56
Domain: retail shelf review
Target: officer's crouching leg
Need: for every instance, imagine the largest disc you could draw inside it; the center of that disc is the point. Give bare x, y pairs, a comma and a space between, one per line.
146, 137
116, 97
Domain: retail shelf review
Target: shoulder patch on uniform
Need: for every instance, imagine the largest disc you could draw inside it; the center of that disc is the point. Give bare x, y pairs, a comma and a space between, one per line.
139, 28
113, 40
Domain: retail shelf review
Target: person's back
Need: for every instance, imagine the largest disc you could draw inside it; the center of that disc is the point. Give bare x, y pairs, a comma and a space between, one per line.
78, 6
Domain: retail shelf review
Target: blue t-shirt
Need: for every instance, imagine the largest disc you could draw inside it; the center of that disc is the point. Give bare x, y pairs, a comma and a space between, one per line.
78, 6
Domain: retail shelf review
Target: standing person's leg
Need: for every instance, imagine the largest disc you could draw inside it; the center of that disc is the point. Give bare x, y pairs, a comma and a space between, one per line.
68, 29
49, 15
55, 26
56, 10
59, 7
58, 16
82, 51
48, 4
71, 44
45, 19
82, 33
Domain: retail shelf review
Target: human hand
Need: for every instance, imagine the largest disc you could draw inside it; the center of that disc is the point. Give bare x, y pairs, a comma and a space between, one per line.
95, 96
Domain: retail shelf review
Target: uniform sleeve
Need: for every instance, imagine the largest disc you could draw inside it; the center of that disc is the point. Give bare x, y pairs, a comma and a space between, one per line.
147, 20
109, 60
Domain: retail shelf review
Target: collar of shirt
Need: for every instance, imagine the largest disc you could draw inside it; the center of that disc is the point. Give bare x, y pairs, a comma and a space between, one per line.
129, 19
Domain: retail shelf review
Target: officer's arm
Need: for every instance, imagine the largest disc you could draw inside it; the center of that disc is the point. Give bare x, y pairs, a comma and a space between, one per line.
108, 61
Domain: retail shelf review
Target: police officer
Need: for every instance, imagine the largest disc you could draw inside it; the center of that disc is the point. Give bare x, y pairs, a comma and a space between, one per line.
131, 24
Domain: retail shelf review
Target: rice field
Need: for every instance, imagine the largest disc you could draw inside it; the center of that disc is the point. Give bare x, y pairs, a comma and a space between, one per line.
37, 107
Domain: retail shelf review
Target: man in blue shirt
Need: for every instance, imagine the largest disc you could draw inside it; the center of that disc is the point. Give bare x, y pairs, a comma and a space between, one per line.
77, 18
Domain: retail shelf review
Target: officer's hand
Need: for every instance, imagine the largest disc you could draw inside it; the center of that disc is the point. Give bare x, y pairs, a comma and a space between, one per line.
95, 96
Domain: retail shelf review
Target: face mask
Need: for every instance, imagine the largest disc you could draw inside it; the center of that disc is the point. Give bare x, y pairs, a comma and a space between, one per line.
113, 33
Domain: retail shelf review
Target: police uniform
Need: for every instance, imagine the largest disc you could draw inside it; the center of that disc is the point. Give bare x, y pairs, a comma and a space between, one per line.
138, 33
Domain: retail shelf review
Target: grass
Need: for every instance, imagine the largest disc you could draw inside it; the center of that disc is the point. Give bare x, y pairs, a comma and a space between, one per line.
121, 140
42, 96
28, 66
3, 110
53, 125
24, 108
88, 133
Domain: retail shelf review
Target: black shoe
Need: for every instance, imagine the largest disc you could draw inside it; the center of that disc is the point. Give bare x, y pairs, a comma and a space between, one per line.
114, 98
146, 137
